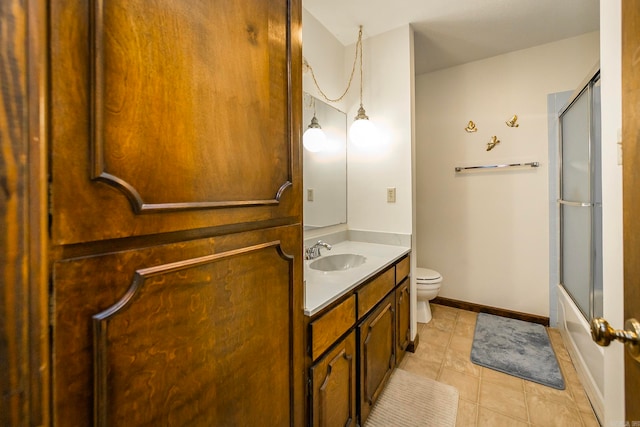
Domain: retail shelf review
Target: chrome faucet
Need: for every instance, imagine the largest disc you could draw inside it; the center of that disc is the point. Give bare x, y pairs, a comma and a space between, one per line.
314, 251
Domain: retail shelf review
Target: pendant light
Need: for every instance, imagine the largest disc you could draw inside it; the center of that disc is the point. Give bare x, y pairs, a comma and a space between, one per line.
362, 130
314, 138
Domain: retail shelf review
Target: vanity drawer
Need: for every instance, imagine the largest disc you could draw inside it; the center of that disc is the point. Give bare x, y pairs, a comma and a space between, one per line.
374, 291
402, 270
331, 325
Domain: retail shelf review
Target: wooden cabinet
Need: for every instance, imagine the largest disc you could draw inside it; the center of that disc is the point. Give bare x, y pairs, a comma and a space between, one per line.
371, 294
175, 192
353, 346
328, 328
403, 325
377, 353
333, 384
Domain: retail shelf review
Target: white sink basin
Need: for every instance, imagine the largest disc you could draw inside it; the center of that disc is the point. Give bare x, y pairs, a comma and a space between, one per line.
337, 262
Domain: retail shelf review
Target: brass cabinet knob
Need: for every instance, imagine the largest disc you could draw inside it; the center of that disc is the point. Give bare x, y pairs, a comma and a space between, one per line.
602, 333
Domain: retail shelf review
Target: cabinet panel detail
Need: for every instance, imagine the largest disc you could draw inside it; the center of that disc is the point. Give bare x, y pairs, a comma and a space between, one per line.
377, 348
370, 294
212, 99
195, 313
331, 325
171, 116
402, 270
334, 386
163, 333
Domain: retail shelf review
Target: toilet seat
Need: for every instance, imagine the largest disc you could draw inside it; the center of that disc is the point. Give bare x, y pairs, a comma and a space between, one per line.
427, 276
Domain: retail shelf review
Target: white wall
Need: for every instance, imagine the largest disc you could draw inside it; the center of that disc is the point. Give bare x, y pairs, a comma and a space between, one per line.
487, 233
610, 57
387, 98
325, 54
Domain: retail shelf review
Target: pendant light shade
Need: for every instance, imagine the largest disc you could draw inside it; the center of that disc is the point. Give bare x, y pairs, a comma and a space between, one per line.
362, 130
314, 137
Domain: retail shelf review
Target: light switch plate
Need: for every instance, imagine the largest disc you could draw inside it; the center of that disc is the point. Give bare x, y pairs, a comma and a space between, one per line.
391, 195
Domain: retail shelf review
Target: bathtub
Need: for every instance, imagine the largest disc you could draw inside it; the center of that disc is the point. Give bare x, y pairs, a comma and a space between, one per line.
587, 356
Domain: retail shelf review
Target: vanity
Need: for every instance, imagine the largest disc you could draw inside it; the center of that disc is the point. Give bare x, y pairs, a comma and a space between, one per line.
357, 322
357, 330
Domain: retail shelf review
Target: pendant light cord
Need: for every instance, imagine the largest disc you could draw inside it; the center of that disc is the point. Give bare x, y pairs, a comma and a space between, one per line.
358, 53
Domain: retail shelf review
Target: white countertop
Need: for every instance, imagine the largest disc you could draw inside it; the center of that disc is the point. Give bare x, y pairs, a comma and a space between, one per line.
324, 287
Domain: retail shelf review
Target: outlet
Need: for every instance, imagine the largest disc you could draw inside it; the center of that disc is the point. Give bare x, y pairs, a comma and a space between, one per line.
391, 195
310, 194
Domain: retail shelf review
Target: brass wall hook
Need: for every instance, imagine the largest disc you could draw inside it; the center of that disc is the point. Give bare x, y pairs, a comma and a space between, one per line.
512, 122
471, 127
494, 141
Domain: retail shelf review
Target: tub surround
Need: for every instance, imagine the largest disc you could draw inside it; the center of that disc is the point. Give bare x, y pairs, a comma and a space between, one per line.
324, 287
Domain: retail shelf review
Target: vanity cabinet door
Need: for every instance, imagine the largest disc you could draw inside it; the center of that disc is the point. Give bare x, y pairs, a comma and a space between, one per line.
402, 319
333, 395
377, 353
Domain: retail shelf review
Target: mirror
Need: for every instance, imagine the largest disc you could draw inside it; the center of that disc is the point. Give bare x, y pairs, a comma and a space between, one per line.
325, 171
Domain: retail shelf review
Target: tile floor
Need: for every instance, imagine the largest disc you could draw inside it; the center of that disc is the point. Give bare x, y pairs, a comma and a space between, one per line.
491, 398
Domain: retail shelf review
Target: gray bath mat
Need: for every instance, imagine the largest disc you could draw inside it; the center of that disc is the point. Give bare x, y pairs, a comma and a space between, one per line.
409, 400
517, 348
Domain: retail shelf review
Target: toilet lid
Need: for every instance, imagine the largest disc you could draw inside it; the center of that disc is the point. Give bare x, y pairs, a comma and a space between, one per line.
426, 275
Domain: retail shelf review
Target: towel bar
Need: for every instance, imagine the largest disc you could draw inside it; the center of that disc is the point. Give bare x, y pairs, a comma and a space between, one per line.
508, 165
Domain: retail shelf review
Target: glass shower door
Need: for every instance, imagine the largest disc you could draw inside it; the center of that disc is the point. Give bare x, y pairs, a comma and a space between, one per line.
580, 236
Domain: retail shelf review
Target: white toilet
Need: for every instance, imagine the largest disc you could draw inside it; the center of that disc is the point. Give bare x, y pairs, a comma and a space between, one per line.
428, 285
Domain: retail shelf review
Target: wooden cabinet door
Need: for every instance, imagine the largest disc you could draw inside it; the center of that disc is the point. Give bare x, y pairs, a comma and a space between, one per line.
333, 387
173, 115
197, 333
403, 325
175, 206
377, 353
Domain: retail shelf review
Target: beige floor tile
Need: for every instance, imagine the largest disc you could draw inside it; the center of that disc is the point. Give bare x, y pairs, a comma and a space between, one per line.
555, 335
549, 393
467, 385
581, 399
441, 324
431, 337
489, 418
467, 414
549, 413
460, 362
488, 397
430, 353
588, 419
569, 373
562, 353
461, 344
468, 317
464, 330
424, 368
560, 350
441, 311
507, 399
496, 377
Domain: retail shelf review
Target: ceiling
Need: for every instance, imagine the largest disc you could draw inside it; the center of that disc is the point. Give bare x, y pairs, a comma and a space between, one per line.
453, 32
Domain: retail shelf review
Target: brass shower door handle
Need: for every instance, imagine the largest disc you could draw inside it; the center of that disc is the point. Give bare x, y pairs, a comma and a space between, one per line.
602, 333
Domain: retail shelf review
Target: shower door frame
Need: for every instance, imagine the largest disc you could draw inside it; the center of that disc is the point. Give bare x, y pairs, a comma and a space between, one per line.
594, 204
